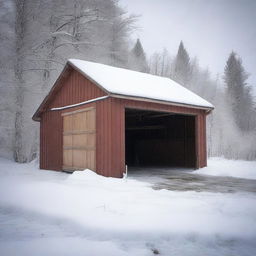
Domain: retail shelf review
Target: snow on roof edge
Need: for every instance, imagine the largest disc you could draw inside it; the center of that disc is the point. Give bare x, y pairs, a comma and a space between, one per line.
70, 61
125, 96
83, 69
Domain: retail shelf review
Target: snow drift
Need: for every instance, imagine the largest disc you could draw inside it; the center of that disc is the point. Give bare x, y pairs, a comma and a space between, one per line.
231, 168
84, 213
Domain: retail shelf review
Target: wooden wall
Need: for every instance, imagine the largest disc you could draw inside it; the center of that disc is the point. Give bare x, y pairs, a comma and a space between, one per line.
110, 126
110, 156
74, 89
200, 123
51, 141
110, 145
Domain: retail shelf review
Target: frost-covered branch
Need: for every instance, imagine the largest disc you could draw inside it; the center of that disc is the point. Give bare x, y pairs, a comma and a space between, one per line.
74, 44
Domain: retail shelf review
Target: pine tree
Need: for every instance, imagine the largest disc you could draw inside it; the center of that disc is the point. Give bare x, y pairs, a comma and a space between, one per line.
238, 93
182, 69
138, 60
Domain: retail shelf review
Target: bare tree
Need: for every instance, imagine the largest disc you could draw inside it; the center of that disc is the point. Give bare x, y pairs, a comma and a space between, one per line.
20, 26
45, 34
161, 63
7, 84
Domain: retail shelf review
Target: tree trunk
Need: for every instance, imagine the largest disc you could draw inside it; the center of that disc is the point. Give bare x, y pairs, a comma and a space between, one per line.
20, 31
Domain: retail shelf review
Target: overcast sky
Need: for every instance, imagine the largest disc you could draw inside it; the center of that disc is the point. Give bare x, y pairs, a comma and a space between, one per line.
210, 29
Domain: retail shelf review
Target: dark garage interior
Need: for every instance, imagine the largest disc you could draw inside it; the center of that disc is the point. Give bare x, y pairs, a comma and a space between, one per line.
159, 139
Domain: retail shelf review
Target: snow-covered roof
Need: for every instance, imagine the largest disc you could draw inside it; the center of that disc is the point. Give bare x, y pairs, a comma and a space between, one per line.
124, 82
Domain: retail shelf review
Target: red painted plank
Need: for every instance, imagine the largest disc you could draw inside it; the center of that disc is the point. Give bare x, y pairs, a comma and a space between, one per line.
74, 89
110, 126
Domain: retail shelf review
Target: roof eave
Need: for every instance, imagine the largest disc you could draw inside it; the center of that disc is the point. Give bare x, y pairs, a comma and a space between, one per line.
37, 115
138, 98
36, 118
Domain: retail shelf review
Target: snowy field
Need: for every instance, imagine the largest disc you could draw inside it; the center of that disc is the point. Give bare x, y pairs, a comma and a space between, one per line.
230, 168
51, 213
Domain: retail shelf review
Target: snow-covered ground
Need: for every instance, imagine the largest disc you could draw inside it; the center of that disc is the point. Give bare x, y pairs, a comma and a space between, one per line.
52, 213
231, 168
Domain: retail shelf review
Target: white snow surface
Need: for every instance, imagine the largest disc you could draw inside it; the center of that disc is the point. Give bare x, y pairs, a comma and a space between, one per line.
229, 168
137, 84
53, 213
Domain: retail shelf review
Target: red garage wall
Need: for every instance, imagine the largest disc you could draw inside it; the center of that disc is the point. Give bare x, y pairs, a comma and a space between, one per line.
74, 88
111, 132
110, 125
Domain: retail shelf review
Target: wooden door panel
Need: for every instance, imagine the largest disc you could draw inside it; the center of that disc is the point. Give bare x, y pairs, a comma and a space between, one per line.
67, 158
79, 121
67, 123
91, 159
91, 140
67, 141
91, 120
79, 139
79, 159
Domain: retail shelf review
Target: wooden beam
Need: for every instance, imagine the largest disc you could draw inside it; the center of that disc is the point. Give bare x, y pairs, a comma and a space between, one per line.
149, 127
161, 115
77, 111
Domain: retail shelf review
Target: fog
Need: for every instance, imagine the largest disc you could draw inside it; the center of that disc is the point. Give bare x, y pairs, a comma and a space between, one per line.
209, 29
37, 37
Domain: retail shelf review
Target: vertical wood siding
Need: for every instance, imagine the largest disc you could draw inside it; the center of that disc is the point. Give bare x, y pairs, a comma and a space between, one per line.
79, 137
51, 141
110, 126
110, 156
75, 88
201, 140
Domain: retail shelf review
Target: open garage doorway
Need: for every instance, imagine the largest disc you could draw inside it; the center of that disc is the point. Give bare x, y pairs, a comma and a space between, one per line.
159, 139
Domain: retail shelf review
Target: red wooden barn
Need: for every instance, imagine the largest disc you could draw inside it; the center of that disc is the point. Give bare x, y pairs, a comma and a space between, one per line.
104, 118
